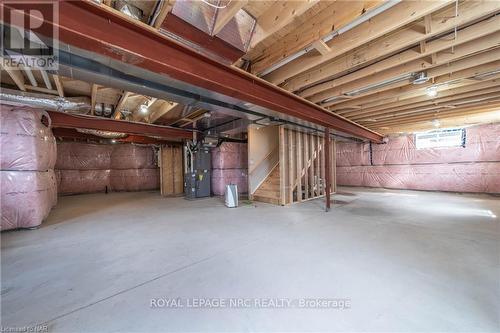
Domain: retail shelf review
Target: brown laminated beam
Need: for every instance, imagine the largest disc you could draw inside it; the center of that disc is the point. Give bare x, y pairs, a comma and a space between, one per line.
91, 27
64, 120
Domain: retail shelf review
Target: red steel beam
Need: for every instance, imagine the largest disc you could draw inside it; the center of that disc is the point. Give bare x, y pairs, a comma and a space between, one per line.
211, 44
94, 28
64, 120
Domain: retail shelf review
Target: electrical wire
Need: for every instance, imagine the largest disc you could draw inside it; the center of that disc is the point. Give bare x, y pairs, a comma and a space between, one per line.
216, 6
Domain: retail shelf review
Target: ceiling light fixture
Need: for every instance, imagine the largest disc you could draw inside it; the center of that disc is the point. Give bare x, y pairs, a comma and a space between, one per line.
143, 108
431, 91
436, 123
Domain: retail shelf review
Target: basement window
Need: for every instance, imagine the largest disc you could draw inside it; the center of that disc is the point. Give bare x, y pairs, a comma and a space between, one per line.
441, 138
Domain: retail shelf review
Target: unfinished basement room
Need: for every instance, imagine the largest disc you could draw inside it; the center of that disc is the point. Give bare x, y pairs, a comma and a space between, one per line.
250, 166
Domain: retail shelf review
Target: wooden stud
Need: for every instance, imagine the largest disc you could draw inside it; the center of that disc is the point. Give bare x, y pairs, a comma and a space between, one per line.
299, 158
312, 182
224, 15
321, 47
121, 104
166, 7
291, 165
318, 166
326, 157
428, 24
16, 75
59, 85
306, 165
282, 165
41, 89
322, 168
93, 98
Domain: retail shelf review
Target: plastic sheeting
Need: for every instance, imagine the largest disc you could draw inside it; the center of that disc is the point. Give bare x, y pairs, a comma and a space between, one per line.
28, 154
223, 177
83, 156
135, 179
230, 155
91, 168
27, 198
351, 154
482, 145
230, 166
126, 156
86, 156
26, 143
82, 181
458, 177
399, 165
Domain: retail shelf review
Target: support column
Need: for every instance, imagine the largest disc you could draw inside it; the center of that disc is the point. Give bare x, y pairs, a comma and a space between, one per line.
327, 169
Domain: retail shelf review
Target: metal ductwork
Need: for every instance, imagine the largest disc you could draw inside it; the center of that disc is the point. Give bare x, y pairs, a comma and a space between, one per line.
76, 105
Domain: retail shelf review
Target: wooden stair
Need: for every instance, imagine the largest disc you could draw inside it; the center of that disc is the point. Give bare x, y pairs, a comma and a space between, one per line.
269, 190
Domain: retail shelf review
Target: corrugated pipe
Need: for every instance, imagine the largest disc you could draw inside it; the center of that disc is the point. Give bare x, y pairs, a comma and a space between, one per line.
79, 105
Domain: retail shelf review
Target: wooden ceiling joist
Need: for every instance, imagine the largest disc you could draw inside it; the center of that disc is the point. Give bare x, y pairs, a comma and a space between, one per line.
225, 14
400, 40
163, 110
334, 14
423, 98
16, 75
418, 66
380, 25
59, 85
430, 115
121, 104
165, 8
278, 16
93, 98
415, 90
445, 102
470, 40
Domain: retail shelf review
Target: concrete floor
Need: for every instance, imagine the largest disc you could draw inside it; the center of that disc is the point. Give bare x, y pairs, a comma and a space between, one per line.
406, 261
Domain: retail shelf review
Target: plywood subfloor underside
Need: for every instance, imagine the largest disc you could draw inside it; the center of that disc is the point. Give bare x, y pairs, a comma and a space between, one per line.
407, 260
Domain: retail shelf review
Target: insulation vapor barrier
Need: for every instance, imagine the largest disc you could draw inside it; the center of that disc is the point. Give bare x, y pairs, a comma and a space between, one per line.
229, 166
91, 168
27, 144
399, 165
223, 177
27, 158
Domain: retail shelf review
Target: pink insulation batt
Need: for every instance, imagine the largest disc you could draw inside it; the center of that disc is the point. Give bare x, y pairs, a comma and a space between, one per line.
82, 181
27, 144
27, 158
399, 165
83, 156
126, 156
223, 177
135, 179
27, 198
229, 166
91, 168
